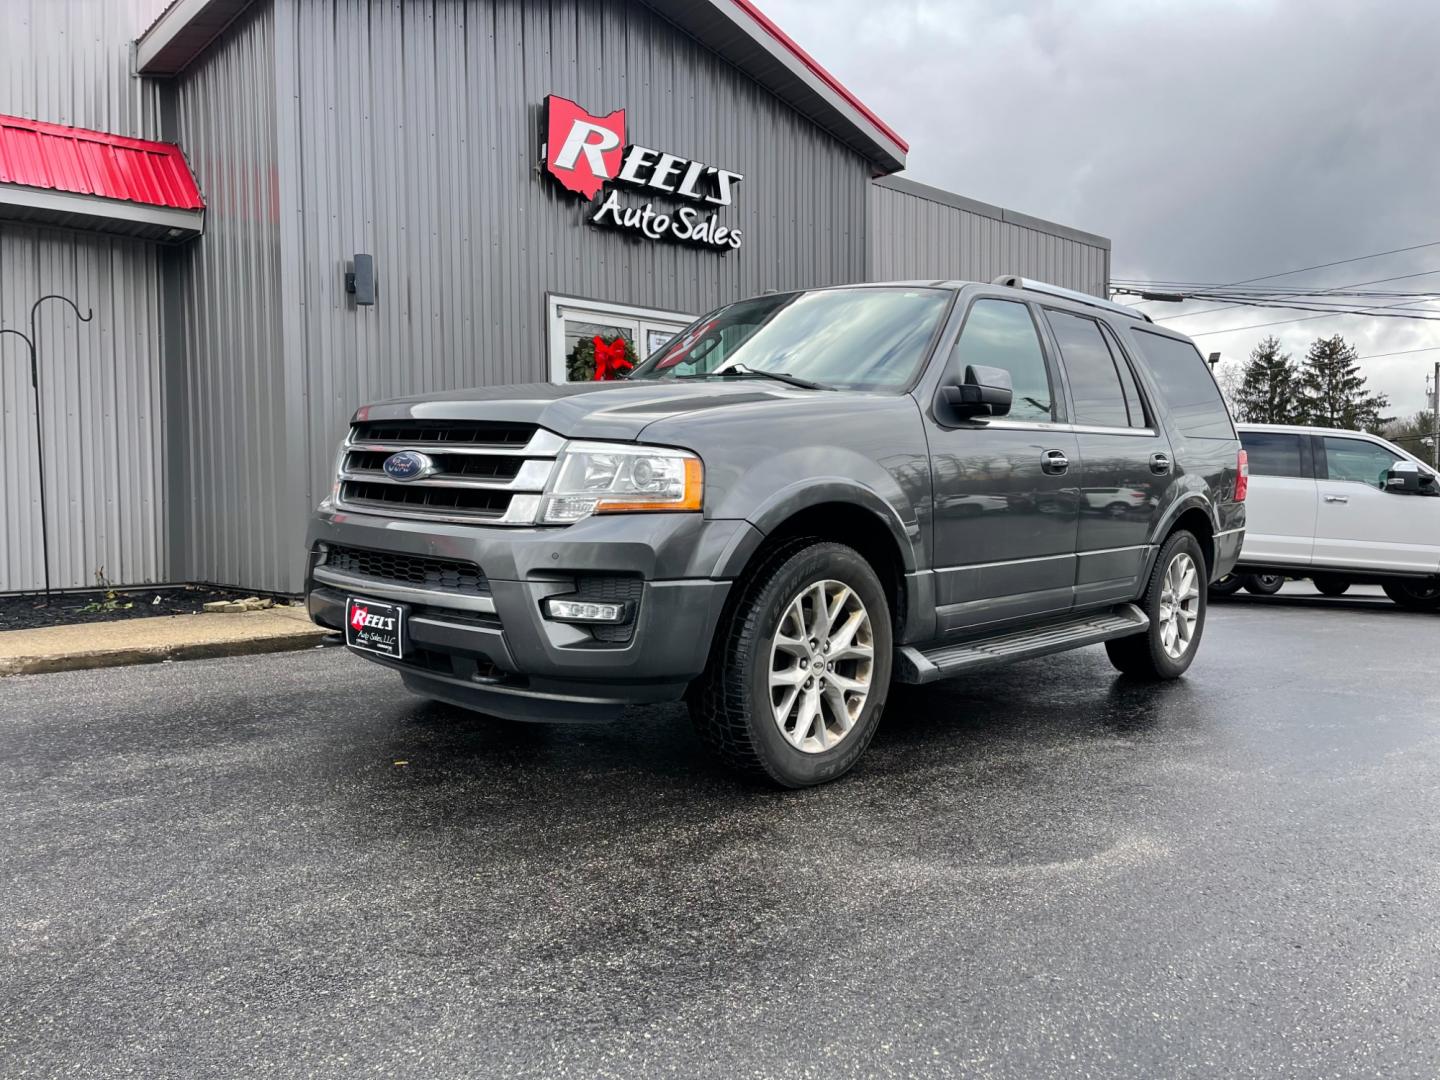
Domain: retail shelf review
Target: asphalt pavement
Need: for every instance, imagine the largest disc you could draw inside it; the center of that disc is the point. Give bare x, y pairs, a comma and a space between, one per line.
286, 866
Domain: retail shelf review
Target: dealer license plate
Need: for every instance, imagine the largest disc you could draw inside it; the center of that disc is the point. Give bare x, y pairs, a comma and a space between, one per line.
375, 627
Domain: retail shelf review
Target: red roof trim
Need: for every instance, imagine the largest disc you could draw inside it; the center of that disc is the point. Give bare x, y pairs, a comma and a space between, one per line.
84, 162
814, 65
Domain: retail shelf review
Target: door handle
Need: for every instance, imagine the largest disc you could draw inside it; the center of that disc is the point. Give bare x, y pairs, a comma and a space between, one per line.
1054, 462
1337, 498
1160, 464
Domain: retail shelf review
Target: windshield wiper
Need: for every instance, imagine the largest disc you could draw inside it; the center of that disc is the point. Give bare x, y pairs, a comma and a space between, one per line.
740, 371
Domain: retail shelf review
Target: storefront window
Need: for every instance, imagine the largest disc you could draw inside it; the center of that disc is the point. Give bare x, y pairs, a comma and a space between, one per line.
598, 352
593, 341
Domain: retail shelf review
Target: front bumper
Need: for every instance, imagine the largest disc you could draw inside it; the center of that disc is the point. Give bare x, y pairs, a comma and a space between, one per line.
511, 660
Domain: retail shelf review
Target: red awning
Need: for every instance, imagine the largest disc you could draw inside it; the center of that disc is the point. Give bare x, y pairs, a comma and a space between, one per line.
92, 179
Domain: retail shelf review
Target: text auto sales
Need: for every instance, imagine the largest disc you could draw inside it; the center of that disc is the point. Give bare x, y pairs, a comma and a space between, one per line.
584, 153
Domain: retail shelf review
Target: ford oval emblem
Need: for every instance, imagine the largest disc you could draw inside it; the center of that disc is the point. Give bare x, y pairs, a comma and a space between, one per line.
409, 465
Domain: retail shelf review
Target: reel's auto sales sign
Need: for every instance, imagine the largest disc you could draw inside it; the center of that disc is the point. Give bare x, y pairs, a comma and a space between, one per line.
585, 153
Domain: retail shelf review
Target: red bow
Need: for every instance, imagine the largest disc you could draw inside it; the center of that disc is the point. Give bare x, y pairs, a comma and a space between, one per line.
610, 359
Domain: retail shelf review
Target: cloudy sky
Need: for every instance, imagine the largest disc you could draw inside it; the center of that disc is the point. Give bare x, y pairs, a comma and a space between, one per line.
1210, 141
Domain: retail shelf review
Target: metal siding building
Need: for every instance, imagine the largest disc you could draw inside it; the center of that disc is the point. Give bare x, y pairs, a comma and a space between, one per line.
192, 425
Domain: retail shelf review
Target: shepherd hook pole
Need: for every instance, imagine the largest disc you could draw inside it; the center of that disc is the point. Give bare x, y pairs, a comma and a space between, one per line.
30, 343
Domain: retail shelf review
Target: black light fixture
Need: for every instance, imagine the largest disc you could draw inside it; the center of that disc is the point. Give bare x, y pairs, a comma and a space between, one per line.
360, 279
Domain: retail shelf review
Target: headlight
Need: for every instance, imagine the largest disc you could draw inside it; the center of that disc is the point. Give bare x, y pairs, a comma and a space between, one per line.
610, 478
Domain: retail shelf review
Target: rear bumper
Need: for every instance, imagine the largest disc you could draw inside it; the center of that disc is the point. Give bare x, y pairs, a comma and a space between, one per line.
511, 660
1227, 552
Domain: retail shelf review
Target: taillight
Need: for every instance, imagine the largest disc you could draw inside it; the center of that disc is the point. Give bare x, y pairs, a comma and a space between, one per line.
1242, 476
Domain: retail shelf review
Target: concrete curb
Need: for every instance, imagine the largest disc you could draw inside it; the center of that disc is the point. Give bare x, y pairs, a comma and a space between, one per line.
76, 647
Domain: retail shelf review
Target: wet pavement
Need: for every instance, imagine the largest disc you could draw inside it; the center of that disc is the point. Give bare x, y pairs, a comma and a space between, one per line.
287, 866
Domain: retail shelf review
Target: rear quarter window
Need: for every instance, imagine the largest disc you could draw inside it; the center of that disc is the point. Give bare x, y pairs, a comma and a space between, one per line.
1273, 453
1186, 385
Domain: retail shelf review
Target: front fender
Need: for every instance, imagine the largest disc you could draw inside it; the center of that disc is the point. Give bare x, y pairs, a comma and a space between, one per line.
801, 495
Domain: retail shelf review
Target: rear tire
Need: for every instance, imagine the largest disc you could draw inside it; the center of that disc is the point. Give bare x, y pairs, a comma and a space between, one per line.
793, 692
1228, 585
1329, 585
1176, 582
1416, 595
1264, 584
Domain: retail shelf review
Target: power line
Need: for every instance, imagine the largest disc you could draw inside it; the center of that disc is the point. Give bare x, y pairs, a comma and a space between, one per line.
1322, 266
1374, 313
1301, 294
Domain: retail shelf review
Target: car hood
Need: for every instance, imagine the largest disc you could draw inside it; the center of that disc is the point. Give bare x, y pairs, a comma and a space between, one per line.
605, 410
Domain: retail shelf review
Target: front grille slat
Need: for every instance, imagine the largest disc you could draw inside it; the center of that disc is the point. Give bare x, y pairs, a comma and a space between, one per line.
475, 502
415, 571
421, 433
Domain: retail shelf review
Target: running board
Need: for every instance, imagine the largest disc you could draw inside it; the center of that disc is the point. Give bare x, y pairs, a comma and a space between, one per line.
924, 665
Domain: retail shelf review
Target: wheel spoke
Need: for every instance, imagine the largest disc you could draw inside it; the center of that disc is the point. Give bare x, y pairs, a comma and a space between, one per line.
782, 711
837, 605
819, 612
789, 676
836, 697
843, 638
845, 683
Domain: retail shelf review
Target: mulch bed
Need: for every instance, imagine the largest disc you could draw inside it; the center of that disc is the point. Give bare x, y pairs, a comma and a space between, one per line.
30, 611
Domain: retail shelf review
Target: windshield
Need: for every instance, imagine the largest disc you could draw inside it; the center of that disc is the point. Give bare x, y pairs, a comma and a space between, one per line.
853, 338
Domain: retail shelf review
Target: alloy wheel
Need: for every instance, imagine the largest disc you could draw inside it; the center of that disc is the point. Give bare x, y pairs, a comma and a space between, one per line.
1179, 605
821, 666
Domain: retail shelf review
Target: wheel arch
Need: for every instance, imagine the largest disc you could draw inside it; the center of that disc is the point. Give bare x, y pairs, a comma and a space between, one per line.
844, 513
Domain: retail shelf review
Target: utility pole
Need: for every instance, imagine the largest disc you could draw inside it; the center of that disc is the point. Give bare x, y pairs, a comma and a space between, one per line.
1435, 413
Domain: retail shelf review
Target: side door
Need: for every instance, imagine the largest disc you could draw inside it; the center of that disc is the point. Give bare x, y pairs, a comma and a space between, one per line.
1280, 510
1362, 526
1005, 503
1125, 461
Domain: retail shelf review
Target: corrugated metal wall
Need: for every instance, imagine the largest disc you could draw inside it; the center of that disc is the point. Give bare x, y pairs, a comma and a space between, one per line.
419, 141
228, 409
922, 232
101, 382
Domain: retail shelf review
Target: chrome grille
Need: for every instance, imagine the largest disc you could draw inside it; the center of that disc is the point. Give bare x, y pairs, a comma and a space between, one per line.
483, 473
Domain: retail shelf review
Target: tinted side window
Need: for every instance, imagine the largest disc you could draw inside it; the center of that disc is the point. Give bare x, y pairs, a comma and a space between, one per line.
1272, 453
1358, 460
1094, 382
1000, 333
1133, 401
1187, 386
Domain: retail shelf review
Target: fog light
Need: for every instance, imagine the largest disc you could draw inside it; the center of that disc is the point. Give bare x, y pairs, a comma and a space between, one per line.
584, 611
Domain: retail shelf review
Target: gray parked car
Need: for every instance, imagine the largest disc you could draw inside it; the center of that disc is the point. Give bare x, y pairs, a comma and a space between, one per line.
801, 498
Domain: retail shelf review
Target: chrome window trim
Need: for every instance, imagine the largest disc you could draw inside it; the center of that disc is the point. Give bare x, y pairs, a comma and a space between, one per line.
382, 590
1073, 429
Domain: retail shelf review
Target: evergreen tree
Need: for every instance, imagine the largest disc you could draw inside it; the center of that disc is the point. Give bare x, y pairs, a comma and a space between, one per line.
1334, 390
1269, 391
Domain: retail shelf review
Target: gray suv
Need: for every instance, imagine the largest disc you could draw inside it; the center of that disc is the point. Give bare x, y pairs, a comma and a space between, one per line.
800, 499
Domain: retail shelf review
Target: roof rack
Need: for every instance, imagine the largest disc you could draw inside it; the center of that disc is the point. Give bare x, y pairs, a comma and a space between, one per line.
1014, 281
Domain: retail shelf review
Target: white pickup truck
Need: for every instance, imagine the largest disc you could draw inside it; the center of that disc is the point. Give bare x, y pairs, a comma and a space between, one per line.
1340, 508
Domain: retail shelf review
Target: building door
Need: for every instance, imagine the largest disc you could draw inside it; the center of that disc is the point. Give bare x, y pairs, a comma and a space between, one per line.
594, 341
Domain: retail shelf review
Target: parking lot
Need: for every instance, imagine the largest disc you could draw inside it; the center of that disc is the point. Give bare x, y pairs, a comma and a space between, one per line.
287, 866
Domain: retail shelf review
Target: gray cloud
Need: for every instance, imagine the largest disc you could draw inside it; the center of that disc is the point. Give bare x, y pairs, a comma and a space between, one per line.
1210, 142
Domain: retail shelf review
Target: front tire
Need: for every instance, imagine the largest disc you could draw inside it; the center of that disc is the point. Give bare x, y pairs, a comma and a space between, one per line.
1175, 601
800, 669
1264, 584
1414, 595
1329, 585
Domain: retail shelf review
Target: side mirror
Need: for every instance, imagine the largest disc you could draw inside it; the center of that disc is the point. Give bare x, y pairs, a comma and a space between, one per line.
986, 391
1407, 478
